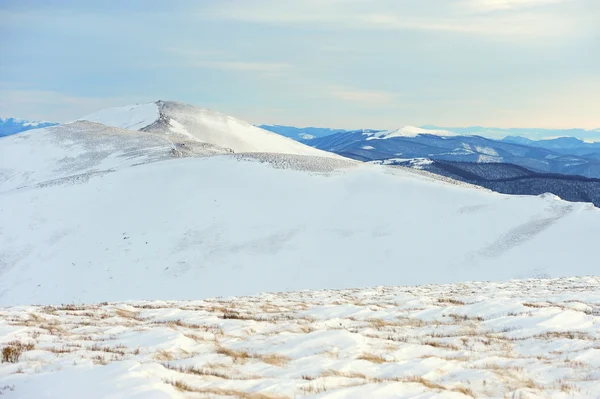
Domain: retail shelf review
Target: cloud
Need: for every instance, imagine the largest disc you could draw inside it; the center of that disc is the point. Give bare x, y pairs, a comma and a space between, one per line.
220, 60
364, 97
457, 16
491, 5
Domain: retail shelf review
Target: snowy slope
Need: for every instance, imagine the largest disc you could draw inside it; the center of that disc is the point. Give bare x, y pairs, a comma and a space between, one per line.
521, 339
135, 117
407, 131
76, 151
174, 118
151, 224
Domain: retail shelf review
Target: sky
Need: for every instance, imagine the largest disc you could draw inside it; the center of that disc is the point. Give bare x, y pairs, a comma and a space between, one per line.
332, 63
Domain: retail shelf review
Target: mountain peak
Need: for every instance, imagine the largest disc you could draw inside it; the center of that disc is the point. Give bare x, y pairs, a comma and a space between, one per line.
408, 131
201, 124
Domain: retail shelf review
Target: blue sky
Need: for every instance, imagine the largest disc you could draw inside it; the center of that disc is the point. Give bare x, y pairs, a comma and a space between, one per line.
335, 63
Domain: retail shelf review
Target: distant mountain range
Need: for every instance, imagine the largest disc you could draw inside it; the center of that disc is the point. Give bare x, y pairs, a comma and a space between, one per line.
564, 155
525, 135
568, 167
304, 133
533, 134
10, 126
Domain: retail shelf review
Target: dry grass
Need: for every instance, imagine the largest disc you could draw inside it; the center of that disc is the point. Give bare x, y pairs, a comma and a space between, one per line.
184, 387
217, 371
344, 374
313, 389
371, 357
536, 305
99, 359
564, 334
451, 301
464, 390
441, 345
163, 355
128, 314
307, 329
13, 351
425, 382
241, 356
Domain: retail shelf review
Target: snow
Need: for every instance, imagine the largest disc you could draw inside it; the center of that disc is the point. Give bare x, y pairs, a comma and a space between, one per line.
367, 147
227, 132
133, 117
416, 163
523, 338
486, 150
157, 221
204, 125
92, 209
407, 131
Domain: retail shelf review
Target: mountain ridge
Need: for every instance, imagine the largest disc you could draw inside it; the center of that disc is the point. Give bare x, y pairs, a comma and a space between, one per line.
99, 213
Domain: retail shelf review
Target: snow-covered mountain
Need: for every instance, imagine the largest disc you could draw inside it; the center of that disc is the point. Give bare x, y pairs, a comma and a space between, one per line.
411, 142
406, 131
174, 118
93, 213
533, 134
301, 133
10, 126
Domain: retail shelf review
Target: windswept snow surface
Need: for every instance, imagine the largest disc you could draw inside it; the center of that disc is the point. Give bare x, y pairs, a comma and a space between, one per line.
205, 125
151, 225
79, 150
133, 117
519, 339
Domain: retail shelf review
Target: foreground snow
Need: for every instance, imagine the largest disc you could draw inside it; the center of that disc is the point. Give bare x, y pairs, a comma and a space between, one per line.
520, 339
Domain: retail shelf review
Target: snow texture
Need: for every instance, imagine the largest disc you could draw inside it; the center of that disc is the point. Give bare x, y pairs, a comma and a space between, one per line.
207, 126
134, 117
520, 339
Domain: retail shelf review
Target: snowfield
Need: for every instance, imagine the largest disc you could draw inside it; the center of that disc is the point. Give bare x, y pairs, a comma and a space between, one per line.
519, 339
92, 213
190, 228
134, 117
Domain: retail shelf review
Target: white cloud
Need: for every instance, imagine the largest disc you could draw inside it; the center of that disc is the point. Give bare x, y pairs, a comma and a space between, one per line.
491, 5
218, 59
459, 16
364, 97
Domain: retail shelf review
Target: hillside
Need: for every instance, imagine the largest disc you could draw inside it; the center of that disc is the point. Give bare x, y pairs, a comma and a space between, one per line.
207, 126
93, 213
